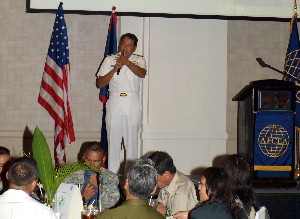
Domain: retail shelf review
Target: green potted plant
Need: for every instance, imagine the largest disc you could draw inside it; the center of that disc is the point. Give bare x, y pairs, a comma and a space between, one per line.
50, 176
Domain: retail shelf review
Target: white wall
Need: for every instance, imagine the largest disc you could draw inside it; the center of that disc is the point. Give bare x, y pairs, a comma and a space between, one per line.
180, 92
185, 96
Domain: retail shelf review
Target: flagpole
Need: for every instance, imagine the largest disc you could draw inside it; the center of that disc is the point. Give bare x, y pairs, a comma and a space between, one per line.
297, 170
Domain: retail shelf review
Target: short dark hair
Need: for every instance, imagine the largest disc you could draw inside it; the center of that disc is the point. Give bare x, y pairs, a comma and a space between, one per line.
142, 178
94, 146
23, 171
4, 150
162, 162
130, 36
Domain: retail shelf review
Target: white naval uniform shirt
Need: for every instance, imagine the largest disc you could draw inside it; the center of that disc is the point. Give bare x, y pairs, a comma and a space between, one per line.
17, 204
126, 81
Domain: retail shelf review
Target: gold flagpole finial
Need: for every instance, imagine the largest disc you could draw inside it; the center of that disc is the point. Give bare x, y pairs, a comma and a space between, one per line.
295, 6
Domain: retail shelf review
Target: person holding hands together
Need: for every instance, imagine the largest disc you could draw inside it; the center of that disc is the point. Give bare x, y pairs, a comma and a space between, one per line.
123, 72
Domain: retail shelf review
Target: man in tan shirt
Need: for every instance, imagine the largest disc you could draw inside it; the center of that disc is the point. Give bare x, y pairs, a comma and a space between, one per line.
177, 191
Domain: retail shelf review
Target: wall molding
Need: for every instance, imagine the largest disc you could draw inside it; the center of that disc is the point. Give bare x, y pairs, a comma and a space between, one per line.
47, 134
184, 136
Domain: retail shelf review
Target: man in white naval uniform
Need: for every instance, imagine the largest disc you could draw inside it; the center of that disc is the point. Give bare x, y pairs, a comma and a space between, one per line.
16, 202
123, 72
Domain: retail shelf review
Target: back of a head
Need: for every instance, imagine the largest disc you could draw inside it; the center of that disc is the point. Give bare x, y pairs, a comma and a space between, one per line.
22, 171
238, 170
163, 162
142, 178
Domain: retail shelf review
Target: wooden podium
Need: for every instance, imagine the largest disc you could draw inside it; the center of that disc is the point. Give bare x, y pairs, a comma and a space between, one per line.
265, 139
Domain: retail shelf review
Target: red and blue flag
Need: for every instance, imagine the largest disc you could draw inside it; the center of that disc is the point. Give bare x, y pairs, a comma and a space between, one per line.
110, 48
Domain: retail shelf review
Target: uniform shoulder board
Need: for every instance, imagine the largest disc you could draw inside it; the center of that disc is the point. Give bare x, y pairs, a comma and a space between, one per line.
138, 55
112, 54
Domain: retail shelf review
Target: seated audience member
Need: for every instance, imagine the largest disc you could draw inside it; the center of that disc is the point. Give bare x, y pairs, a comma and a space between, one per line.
140, 183
177, 191
16, 202
4, 162
216, 196
107, 192
238, 171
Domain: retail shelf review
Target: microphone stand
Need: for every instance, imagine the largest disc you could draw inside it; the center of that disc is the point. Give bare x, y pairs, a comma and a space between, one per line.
263, 64
99, 183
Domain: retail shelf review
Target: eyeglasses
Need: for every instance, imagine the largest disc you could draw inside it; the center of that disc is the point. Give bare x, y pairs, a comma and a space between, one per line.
200, 184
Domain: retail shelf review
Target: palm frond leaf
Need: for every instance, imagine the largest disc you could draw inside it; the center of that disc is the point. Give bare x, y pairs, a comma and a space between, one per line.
62, 172
42, 155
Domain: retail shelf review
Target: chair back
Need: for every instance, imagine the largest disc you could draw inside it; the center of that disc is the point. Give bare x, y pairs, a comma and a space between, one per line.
262, 213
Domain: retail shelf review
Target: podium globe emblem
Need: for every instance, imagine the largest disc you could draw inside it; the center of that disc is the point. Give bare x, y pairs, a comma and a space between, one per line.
273, 141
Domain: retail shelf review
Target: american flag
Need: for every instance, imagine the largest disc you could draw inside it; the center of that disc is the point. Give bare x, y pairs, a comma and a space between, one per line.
55, 87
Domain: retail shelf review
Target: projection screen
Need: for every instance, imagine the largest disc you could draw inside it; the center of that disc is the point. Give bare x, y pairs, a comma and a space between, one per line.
251, 8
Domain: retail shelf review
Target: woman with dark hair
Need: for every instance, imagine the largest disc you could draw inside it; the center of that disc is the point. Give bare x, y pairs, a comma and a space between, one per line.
217, 197
238, 171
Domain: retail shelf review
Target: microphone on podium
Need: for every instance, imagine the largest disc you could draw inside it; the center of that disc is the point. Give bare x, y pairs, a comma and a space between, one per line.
261, 62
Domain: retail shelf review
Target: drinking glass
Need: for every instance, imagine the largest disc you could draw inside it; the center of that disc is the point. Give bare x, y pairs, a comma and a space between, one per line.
152, 200
87, 214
